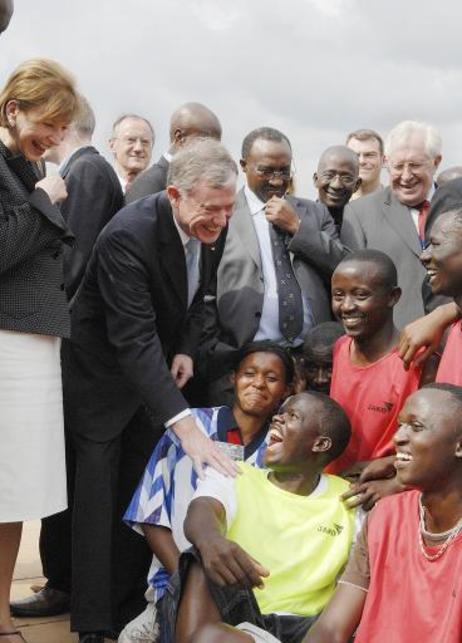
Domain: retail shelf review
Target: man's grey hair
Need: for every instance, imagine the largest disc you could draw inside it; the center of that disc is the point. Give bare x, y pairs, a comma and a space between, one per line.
84, 121
406, 129
128, 115
202, 161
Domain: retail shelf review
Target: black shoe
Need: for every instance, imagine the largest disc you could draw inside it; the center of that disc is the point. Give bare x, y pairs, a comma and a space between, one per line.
46, 602
91, 637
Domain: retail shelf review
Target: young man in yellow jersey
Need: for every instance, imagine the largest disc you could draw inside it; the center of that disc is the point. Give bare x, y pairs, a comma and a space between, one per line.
270, 544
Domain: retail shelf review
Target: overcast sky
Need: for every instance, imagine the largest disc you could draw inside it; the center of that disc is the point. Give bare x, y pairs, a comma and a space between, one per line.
315, 69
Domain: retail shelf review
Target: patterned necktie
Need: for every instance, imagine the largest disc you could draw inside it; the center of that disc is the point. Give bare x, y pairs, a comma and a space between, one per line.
192, 250
423, 208
289, 294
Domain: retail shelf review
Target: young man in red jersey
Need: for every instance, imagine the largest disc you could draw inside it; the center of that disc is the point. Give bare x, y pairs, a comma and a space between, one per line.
404, 579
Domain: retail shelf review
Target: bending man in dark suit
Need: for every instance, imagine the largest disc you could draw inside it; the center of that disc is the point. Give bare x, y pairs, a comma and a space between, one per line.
189, 121
94, 195
135, 327
273, 279
394, 220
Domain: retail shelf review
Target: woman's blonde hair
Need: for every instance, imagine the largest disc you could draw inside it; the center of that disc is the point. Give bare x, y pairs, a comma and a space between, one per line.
41, 83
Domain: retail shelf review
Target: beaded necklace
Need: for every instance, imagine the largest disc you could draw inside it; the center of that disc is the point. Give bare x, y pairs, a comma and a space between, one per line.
448, 536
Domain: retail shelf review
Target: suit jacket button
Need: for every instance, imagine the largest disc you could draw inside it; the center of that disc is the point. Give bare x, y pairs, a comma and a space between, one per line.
258, 314
61, 287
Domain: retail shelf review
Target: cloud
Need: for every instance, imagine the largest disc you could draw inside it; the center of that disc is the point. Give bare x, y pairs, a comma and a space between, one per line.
314, 68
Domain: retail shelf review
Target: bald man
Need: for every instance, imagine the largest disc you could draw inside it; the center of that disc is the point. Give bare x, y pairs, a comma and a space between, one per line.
6, 11
449, 174
189, 121
336, 178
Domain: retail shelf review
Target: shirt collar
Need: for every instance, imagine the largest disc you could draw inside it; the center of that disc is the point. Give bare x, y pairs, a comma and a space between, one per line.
254, 203
183, 236
167, 156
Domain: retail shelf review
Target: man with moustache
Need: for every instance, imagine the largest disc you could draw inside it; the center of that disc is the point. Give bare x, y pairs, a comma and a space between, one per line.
273, 278
394, 220
403, 581
336, 178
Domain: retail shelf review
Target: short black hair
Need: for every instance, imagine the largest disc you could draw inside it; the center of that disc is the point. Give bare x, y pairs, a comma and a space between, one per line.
266, 346
333, 423
265, 133
454, 391
386, 268
323, 335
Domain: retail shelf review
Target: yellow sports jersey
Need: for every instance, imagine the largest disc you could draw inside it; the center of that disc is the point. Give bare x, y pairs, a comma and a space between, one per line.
304, 541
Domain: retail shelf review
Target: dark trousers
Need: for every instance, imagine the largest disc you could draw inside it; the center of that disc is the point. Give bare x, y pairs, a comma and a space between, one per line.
110, 562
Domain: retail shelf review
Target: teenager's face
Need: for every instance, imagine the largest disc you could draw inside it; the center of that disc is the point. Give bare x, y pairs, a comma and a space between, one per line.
428, 440
292, 434
260, 383
443, 257
360, 300
317, 367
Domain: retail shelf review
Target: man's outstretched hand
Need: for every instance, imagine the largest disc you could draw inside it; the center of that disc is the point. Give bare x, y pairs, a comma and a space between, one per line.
201, 449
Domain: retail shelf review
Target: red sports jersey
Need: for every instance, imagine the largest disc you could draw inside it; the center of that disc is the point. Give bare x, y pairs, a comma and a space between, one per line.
372, 396
410, 598
450, 368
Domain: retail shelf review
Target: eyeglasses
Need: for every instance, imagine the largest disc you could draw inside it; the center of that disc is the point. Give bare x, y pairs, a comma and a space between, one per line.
271, 172
345, 179
410, 166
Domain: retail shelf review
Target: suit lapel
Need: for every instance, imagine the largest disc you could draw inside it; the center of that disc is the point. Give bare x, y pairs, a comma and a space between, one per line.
400, 219
242, 223
172, 256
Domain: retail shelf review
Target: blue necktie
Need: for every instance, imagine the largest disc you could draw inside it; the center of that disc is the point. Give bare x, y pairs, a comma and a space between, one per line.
192, 250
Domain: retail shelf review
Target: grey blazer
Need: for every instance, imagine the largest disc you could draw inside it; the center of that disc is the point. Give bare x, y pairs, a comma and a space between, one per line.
32, 231
380, 221
234, 307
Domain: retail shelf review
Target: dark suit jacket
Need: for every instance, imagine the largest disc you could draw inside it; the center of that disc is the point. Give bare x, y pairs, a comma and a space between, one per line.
234, 306
380, 221
94, 195
32, 232
152, 180
130, 318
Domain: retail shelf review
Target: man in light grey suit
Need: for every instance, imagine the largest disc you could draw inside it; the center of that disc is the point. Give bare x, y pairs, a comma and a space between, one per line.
273, 281
394, 220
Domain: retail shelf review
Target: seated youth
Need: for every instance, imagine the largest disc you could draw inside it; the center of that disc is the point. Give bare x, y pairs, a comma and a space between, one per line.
404, 579
269, 545
262, 379
369, 380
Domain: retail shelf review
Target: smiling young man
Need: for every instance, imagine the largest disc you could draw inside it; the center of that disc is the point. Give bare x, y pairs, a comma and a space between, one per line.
269, 544
135, 328
261, 380
404, 579
369, 380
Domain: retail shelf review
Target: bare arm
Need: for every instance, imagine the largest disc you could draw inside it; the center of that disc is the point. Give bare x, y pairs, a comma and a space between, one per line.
426, 332
162, 545
224, 561
340, 618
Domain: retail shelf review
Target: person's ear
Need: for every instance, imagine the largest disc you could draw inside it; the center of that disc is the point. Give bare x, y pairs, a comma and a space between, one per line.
315, 180
322, 444
174, 195
11, 112
395, 296
178, 137
437, 161
357, 184
232, 377
458, 453
243, 164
